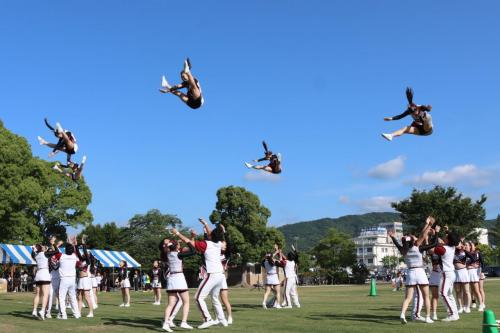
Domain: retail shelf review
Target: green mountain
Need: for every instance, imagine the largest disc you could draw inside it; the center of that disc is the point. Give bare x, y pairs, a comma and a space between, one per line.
310, 232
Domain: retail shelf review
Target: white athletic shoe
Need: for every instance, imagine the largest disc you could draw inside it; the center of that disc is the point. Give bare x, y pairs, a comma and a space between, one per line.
403, 320
127, 305
461, 310
122, 305
90, 315
96, 306
474, 305
387, 136
467, 310
216, 321
77, 316
264, 305
435, 317
298, 305
62, 317
187, 66
166, 327
83, 305
48, 315
277, 306
287, 307
186, 326
229, 320
428, 320
34, 313
41, 315
41, 140
481, 307
84, 159
207, 324
248, 165
164, 83
172, 324
223, 322
451, 318
59, 128
415, 318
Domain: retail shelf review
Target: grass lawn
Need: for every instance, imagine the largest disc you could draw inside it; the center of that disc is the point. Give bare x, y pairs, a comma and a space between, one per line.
324, 309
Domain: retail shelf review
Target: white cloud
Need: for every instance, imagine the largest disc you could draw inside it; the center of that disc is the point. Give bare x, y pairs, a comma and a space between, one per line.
467, 173
389, 169
262, 176
372, 204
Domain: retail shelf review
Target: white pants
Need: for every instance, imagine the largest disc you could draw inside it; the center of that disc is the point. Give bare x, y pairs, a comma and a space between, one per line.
54, 290
68, 287
211, 285
291, 291
446, 291
176, 308
418, 302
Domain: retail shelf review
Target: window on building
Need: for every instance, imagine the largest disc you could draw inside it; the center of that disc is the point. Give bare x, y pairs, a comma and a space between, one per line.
370, 261
369, 249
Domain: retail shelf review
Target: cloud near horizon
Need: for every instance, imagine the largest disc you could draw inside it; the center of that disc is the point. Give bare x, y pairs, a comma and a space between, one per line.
372, 204
465, 174
388, 170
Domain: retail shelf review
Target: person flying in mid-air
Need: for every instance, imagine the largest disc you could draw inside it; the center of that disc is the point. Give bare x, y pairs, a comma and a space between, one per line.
72, 170
193, 98
274, 165
422, 120
66, 142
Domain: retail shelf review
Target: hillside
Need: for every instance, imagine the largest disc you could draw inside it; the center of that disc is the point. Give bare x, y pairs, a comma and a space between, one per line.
310, 232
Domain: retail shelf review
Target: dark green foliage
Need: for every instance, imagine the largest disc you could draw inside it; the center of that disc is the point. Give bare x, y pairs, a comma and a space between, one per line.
447, 206
359, 273
245, 220
311, 232
36, 201
103, 237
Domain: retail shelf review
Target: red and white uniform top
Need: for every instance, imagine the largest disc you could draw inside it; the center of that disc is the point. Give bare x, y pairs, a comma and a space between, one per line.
447, 259
67, 264
211, 252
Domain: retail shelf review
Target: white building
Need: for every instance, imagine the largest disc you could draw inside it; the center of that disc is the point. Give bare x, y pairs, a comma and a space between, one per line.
482, 235
373, 244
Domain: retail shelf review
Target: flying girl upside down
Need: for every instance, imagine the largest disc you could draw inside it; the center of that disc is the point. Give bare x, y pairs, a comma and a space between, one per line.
274, 165
66, 141
422, 120
193, 98
72, 170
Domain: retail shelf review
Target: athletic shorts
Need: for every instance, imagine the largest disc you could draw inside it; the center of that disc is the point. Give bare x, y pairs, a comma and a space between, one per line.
125, 283
416, 276
176, 282
435, 278
84, 283
155, 284
421, 129
272, 280
473, 274
461, 276
43, 276
194, 103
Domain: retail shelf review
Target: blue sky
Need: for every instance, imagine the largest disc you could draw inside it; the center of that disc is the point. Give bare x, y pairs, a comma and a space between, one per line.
314, 79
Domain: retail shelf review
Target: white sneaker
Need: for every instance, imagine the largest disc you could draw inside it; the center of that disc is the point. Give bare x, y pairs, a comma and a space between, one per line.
59, 127
387, 136
474, 305
187, 67
451, 318
77, 316
48, 315
166, 327
186, 326
34, 313
428, 320
41, 315
122, 305
90, 315
164, 83
298, 305
62, 317
172, 324
481, 307
206, 324
83, 305
461, 310
467, 310
277, 306
127, 305
419, 318
84, 159
435, 317
96, 306
230, 320
264, 305
403, 320
41, 140
248, 165
224, 323
216, 322
287, 307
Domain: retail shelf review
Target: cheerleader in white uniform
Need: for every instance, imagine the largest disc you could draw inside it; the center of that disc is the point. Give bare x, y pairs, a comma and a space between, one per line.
434, 281
84, 281
42, 278
473, 269
94, 268
462, 290
156, 282
271, 264
123, 279
224, 291
163, 247
411, 250
177, 285
290, 269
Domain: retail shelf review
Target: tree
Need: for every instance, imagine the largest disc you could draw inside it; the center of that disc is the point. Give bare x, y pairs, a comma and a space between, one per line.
335, 252
103, 237
35, 201
391, 262
490, 255
245, 219
143, 234
447, 205
360, 273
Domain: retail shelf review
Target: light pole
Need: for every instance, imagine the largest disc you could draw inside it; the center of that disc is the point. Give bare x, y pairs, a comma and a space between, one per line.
296, 239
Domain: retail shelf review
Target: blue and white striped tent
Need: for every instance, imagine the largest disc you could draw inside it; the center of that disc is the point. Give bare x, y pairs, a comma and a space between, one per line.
21, 254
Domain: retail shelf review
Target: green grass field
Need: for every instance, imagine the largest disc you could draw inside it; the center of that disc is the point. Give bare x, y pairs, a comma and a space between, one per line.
324, 309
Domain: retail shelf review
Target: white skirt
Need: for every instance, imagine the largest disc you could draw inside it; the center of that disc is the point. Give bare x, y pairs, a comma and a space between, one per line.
461, 276
176, 282
125, 283
435, 279
416, 276
43, 275
94, 282
473, 274
272, 280
84, 283
155, 284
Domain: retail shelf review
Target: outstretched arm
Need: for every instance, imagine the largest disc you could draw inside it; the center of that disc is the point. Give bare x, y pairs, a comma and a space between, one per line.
206, 227
182, 237
395, 241
425, 231
400, 116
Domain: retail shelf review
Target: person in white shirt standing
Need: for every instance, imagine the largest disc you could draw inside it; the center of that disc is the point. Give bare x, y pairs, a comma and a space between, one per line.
67, 273
448, 276
42, 278
212, 284
290, 269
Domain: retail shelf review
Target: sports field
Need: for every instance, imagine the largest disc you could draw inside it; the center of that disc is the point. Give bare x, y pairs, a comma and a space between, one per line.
324, 309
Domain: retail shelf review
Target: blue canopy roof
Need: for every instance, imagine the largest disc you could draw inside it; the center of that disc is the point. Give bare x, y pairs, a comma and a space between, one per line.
21, 254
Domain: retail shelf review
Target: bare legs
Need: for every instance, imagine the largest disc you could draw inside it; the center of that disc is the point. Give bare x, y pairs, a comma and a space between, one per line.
157, 293
224, 295
86, 294
434, 301
126, 296
406, 302
41, 293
